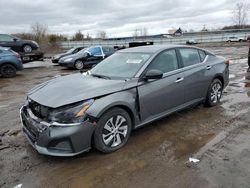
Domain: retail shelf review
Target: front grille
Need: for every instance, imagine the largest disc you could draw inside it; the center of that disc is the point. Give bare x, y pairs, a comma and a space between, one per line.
39, 110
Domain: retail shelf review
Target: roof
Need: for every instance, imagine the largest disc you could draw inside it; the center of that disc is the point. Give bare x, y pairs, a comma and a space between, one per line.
150, 48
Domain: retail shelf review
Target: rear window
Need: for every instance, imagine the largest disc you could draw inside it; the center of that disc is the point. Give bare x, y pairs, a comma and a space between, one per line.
190, 56
108, 49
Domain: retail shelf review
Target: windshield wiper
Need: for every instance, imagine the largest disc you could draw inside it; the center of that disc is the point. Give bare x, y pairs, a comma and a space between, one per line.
101, 76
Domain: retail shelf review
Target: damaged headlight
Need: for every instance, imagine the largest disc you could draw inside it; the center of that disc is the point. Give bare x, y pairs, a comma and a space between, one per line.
72, 114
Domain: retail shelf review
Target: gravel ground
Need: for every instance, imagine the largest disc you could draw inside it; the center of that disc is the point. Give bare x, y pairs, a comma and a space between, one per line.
155, 156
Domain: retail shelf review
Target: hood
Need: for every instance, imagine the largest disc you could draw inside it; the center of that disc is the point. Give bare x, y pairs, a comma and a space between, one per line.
65, 90
73, 56
30, 42
61, 55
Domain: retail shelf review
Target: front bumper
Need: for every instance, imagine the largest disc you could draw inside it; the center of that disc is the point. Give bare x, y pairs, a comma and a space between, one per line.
55, 60
50, 139
67, 64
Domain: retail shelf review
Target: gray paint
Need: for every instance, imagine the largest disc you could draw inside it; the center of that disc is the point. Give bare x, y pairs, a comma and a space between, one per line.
73, 88
145, 100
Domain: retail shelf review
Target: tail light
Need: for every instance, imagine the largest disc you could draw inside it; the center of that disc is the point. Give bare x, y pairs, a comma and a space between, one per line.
18, 55
227, 62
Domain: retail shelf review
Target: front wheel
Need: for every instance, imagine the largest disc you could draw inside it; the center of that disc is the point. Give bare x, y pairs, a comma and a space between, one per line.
113, 130
214, 93
8, 71
27, 48
79, 65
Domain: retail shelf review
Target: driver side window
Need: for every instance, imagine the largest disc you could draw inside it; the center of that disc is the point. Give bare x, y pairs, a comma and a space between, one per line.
95, 51
165, 62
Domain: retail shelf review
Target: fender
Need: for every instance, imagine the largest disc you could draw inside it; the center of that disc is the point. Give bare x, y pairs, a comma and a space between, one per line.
126, 99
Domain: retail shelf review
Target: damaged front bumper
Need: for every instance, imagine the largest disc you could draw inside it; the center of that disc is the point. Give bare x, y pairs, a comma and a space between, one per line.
56, 139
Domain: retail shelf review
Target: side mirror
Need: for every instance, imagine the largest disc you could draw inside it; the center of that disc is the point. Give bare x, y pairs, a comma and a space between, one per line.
14, 39
153, 74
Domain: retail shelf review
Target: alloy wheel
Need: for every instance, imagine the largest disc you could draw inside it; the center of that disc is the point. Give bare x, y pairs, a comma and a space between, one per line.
27, 48
79, 65
115, 131
216, 92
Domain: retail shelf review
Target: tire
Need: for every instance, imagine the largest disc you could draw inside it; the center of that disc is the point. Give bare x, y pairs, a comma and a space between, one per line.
79, 65
107, 137
214, 93
8, 71
27, 48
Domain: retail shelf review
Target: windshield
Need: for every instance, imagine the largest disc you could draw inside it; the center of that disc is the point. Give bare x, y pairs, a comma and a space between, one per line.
121, 65
71, 50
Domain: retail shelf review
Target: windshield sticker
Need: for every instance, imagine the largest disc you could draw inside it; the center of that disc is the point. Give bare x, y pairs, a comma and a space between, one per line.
134, 61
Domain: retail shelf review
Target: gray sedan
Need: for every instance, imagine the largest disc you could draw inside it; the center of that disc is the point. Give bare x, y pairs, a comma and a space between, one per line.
129, 89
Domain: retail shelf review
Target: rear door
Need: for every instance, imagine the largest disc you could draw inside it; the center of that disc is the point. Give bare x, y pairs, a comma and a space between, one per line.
157, 97
195, 72
96, 56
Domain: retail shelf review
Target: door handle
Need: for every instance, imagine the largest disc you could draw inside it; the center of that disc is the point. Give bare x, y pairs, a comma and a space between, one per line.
208, 67
179, 80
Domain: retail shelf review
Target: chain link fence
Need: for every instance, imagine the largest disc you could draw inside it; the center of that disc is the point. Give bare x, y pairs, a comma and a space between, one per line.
199, 37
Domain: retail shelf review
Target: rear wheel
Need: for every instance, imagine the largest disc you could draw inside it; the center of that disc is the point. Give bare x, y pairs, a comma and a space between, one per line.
8, 70
113, 130
214, 93
79, 65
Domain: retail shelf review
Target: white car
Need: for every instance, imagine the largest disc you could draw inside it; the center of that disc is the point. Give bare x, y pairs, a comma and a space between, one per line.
235, 39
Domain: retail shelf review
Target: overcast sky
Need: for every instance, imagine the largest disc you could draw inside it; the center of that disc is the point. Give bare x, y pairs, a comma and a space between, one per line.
116, 17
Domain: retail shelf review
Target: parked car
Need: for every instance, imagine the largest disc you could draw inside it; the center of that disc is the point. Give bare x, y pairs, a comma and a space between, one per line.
71, 51
131, 88
86, 57
16, 44
235, 39
248, 38
10, 62
191, 41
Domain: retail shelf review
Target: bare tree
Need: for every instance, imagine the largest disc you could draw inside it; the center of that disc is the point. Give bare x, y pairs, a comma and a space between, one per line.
101, 34
135, 33
140, 32
88, 37
240, 14
144, 31
78, 36
39, 31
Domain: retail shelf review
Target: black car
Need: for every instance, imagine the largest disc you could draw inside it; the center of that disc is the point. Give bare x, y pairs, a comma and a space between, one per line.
71, 51
87, 57
17, 44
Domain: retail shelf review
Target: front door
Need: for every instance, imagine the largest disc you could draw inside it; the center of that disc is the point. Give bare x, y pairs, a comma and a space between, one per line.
158, 97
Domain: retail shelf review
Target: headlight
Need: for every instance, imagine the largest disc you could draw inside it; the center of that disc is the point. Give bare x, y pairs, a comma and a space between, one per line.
35, 43
70, 114
56, 57
67, 60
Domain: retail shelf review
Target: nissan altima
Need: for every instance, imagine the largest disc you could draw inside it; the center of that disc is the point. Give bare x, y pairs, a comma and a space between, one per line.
71, 114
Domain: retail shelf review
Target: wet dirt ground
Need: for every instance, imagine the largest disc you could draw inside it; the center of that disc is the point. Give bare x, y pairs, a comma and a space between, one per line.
155, 155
